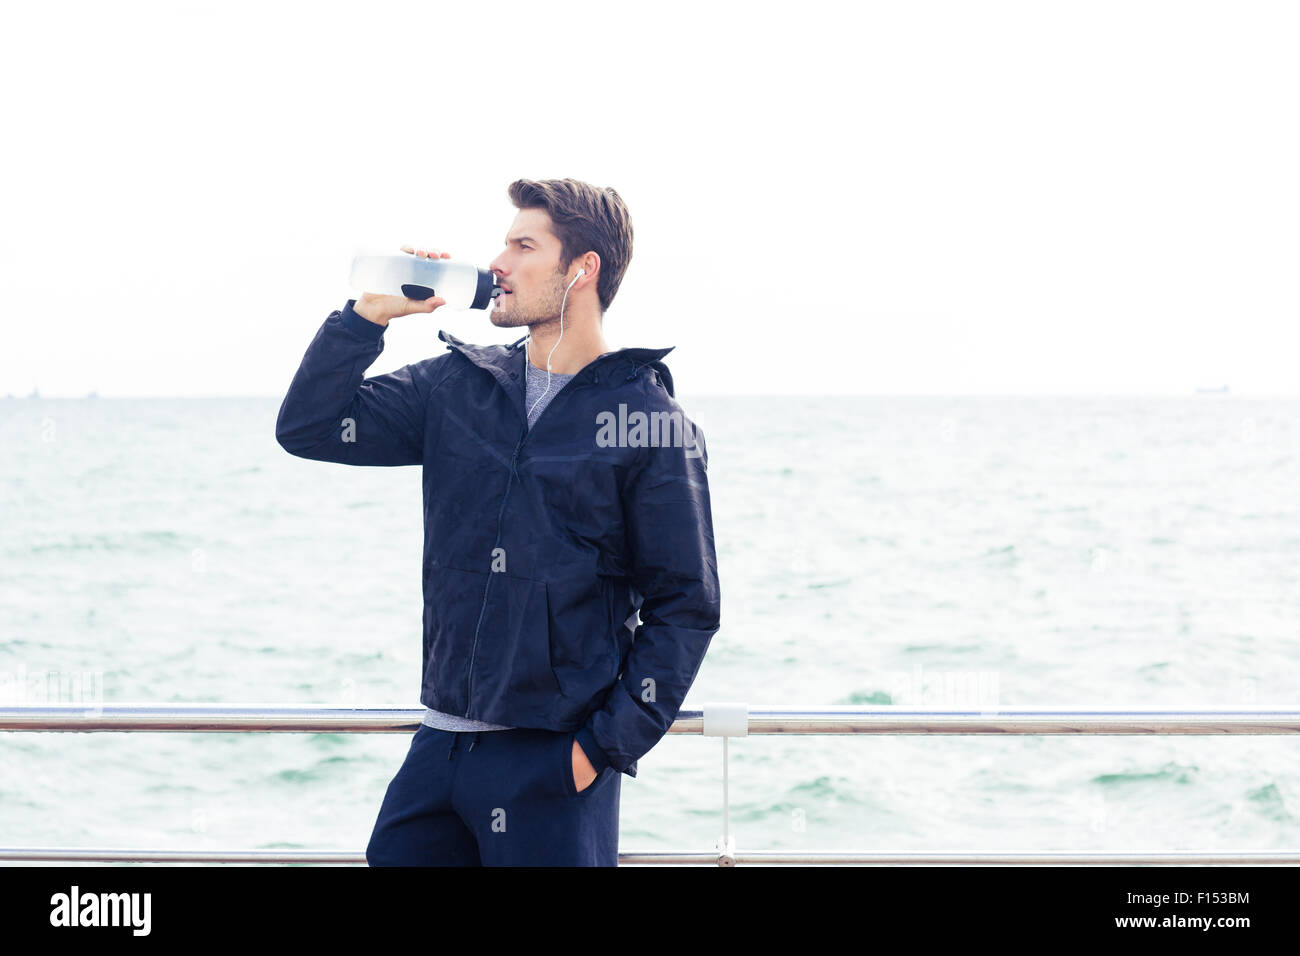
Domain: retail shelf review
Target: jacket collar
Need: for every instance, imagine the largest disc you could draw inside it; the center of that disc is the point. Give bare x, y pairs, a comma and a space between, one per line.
506, 362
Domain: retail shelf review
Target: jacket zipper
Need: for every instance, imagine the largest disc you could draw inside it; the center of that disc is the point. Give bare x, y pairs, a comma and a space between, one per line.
469, 676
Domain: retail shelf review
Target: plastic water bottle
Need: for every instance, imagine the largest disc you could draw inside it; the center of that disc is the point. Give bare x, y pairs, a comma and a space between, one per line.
462, 284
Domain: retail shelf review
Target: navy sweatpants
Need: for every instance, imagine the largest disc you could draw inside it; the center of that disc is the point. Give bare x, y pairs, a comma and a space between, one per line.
495, 798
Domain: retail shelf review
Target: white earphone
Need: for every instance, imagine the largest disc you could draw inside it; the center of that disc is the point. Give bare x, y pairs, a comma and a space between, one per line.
581, 273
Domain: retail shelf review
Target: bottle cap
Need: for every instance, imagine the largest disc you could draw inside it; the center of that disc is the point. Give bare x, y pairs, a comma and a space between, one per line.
487, 289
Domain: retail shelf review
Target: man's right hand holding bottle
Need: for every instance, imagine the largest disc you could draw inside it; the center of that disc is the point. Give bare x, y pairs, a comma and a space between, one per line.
380, 308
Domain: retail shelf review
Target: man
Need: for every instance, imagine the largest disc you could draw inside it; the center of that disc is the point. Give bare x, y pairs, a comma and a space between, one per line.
565, 493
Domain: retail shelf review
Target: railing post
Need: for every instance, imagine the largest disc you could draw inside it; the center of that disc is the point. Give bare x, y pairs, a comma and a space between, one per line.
726, 719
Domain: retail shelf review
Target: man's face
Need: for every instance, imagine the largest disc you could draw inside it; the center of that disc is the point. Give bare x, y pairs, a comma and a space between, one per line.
529, 267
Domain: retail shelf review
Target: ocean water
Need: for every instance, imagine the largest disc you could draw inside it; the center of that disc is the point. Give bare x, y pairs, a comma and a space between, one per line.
939, 550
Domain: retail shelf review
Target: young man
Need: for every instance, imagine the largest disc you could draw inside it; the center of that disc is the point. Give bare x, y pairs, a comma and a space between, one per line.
565, 492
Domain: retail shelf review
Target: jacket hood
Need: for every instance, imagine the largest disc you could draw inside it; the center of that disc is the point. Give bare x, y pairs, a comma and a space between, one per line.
503, 361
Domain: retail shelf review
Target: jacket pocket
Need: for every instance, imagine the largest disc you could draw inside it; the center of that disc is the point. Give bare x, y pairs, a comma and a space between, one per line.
584, 647
451, 606
511, 679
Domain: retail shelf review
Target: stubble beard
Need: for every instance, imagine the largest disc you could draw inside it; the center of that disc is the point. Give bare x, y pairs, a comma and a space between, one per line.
536, 315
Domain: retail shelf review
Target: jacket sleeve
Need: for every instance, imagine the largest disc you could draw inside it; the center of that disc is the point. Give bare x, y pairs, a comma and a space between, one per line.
674, 567
331, 414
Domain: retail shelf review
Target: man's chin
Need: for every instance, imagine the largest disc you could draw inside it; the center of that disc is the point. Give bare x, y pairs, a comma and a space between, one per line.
504, 320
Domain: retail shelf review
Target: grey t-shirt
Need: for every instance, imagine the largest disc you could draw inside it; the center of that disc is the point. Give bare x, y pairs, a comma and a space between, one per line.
535, 394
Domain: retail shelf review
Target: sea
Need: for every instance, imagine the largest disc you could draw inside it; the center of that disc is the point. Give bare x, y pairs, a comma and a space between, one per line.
930, 551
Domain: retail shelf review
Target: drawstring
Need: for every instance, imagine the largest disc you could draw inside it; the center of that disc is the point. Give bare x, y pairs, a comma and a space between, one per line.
455, 736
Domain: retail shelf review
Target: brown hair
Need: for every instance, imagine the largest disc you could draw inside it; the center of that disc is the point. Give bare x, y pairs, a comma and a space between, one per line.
585, 218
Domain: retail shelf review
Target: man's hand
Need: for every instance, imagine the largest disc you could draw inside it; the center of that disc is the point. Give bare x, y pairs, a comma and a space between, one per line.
380, 308
583, 772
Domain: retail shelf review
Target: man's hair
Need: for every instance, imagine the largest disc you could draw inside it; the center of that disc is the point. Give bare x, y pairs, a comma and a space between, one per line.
585, 218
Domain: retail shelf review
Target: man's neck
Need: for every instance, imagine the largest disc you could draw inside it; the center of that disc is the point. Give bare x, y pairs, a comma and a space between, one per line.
581, 344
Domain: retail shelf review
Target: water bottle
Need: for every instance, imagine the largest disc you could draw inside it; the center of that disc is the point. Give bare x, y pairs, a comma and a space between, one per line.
462, 284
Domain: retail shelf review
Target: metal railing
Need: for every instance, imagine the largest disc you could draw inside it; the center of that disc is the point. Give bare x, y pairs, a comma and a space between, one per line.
723, 720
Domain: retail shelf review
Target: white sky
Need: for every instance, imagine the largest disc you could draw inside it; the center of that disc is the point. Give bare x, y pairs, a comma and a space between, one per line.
908, 197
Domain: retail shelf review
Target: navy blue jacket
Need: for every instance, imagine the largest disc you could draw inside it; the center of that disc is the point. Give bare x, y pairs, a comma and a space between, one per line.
541, 546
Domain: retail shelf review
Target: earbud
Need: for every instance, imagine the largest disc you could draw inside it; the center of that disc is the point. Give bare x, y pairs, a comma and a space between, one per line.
581, 273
